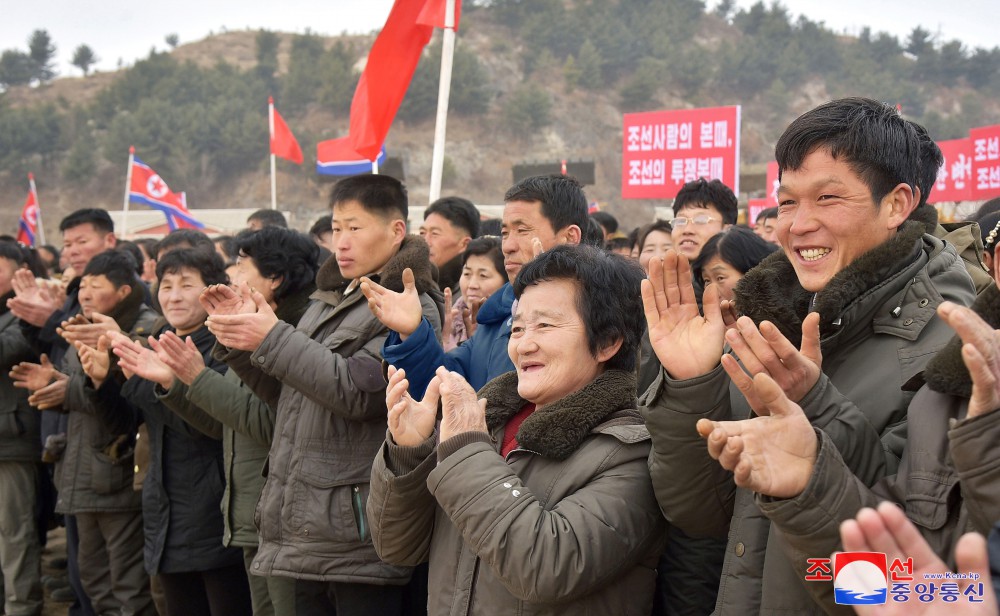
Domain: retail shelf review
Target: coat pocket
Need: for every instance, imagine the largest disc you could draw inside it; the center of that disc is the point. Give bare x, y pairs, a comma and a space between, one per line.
110, 475
329, 504
931, 498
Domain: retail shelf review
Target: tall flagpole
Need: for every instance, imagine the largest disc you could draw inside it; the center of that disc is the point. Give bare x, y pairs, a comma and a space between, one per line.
270, 124
128, 187
38, 207
444, 91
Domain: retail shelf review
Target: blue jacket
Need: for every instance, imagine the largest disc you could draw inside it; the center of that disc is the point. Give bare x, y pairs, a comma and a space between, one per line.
479, 359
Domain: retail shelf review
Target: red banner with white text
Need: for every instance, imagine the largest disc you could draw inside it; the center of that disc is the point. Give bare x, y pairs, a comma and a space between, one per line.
663, 150
985, 161
954, 180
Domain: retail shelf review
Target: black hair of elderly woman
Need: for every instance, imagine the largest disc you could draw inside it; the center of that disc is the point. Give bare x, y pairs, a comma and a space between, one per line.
281, 253
738, 246
608, 298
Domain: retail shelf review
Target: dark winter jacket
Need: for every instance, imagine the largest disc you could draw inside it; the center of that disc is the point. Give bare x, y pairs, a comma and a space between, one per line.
185, 481
96, 470
331, 420
480, 359
19, 422
220, 404
948, 481
878, 329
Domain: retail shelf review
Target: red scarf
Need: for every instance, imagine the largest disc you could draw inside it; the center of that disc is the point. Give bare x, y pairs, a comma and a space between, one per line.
513, 424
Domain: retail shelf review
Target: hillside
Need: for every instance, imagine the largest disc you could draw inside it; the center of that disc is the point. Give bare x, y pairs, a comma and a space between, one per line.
522, 92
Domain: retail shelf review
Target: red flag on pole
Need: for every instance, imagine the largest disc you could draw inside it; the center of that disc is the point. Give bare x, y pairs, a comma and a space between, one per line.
434, 11
387, 75
283, 142
27, 225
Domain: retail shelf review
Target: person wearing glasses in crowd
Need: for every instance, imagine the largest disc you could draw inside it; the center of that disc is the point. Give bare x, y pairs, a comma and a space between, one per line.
702, 209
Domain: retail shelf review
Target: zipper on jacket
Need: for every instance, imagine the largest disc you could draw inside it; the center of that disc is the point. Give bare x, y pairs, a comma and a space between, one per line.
519, 449
359, 514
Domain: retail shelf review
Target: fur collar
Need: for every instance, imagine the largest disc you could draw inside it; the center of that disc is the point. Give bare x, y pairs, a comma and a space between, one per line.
926, 215
946, 372
771, 291
413, 253
126, 312
291, 308
450, 273
557, 430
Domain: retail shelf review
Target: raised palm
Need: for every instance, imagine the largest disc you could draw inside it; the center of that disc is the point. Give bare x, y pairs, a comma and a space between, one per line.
410, 422
400, 312
220, 299
686, 343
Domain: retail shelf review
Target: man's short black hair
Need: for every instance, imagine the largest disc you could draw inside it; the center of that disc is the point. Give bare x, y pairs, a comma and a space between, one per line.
281, 253
229, 248
877, 144
377, 194
607, 296
183, 238
490, 226
593, 235
116, 265
702, 192
208, 264
737, 246
562, 198
461, 213
766, 214
321, 226
931, 160
269, 218
23, 256
606, 220
134, 251
993, 205
486, 247
663, 226
100, 219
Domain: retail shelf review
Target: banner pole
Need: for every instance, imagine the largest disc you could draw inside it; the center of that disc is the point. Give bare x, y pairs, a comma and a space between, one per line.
270, 123
444, 92
128, 187
38, 205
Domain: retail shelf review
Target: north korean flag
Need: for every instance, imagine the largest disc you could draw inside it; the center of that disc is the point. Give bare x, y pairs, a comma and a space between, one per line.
149, 189
27, 225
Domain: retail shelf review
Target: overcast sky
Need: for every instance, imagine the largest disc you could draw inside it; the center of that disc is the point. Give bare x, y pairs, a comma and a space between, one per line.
127, 29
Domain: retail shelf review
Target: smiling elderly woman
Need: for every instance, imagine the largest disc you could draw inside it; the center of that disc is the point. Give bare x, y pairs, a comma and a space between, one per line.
534, 498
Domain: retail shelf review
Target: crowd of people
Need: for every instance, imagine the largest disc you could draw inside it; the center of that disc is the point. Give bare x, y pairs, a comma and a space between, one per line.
555, 417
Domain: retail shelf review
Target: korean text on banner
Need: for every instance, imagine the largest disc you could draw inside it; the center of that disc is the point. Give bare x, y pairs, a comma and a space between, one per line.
771, 185
663, 150
985, 161
954, 179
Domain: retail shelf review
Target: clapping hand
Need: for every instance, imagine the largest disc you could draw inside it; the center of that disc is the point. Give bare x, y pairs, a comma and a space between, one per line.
135, 359
96, 362
773, 454
32, 303
400, 312
887, 530
686, 343
181, 356
981, 354
244, 331
411, 422
765, 350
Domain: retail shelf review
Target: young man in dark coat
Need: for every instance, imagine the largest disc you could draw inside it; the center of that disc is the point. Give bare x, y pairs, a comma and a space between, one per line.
331, 416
